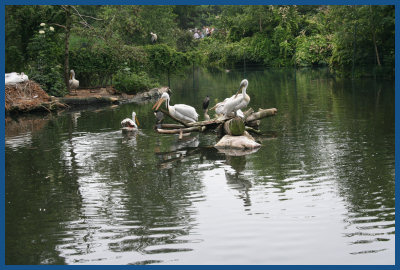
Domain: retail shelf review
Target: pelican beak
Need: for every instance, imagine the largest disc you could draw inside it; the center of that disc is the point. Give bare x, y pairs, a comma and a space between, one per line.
137, 121
70, 76
238, 91
155, 104
159, 103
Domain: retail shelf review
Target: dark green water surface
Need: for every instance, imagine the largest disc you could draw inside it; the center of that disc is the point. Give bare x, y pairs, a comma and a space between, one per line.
320, 190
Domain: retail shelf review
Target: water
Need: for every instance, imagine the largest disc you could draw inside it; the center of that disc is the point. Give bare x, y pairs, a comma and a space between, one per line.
320, 190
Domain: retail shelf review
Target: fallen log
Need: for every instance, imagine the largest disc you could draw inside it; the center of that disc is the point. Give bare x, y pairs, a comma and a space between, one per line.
171, 126
262, 113
181, 130
234, 126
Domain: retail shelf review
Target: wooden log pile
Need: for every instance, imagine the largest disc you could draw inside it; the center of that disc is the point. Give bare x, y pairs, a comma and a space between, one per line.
233, 130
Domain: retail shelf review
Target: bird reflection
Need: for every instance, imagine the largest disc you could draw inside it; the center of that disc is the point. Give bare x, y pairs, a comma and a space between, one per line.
235, 179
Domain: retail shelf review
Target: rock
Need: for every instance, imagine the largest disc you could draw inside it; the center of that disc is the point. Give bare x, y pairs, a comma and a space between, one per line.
237, 152
237, 142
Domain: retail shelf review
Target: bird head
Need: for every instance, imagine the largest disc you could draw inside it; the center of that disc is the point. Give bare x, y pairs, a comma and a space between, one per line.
243, 84
164, 97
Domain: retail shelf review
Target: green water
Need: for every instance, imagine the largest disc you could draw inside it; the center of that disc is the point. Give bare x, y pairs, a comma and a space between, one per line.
320, 190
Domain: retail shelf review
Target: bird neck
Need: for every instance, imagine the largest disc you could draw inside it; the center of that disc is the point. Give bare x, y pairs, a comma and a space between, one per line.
244, 91
167, 104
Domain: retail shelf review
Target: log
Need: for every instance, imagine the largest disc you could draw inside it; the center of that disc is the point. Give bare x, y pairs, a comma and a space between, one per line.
262, 113
254, 124
181, 130
248, 112
234, 127
171, 126
256, 131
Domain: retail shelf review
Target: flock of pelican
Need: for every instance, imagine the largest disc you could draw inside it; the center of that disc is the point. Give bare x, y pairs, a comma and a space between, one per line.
229, 107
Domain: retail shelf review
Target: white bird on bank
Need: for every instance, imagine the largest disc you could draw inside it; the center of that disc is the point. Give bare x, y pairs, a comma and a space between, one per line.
14, 77
235, 103
153, 37
73, 83
129, 124
181, 112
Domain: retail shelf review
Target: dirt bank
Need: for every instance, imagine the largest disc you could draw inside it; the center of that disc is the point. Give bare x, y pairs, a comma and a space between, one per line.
30, 97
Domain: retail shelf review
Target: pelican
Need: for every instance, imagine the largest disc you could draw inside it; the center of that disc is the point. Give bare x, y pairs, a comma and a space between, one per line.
182, 112
73, 83
153, 37
14, 78
235, 102
129, 124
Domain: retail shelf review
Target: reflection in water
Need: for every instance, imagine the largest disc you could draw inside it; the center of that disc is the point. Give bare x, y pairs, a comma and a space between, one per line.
234, 178
79, 191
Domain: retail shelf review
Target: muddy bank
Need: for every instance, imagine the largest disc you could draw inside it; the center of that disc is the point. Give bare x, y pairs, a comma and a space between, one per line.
30, 97
108, 96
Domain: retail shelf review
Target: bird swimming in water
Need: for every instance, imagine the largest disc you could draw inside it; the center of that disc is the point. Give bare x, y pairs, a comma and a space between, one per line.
182, 112
129, 124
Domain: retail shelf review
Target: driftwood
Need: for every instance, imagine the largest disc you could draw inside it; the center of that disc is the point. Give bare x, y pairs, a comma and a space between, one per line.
234, 126
262, 113
235, 129
181, 130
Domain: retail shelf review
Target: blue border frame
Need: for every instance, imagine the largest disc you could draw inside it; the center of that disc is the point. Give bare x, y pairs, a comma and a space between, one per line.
193, 2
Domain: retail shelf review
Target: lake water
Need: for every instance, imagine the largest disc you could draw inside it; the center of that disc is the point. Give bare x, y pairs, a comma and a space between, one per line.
320, 190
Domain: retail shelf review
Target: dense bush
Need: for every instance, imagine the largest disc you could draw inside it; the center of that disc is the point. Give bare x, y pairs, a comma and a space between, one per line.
132, 83
45, 56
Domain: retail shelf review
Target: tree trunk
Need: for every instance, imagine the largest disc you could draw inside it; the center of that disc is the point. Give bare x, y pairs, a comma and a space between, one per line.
376, 48
234, 126
66, 51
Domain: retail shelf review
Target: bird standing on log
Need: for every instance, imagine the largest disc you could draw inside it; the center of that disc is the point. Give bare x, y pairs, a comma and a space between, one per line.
234, 103
182, 112
73, 83
206, 102
129, 124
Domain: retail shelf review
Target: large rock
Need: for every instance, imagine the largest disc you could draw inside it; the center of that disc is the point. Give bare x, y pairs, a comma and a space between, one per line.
245, 141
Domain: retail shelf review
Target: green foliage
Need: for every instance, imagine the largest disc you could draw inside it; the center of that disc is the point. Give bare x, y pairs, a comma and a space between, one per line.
311, 50
22, 23
132, 83
162, 58
271, 35
44, 55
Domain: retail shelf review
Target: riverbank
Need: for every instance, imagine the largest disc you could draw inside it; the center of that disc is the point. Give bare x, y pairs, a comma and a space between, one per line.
29, 97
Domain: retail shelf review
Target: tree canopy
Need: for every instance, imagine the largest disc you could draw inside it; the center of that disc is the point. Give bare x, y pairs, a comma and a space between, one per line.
103, 41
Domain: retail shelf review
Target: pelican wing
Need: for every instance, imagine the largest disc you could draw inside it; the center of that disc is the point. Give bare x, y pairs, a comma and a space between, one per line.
185, 112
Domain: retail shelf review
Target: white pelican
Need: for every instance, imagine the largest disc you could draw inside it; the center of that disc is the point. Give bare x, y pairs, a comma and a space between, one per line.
129, 124
181, 112
73, 83
14, 78
235, 102
153, 37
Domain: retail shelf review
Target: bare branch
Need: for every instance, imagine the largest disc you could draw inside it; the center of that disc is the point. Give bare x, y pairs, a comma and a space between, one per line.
59, 25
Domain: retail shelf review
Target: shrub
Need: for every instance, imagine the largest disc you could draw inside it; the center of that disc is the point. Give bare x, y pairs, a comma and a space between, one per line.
132, 83
45, 54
